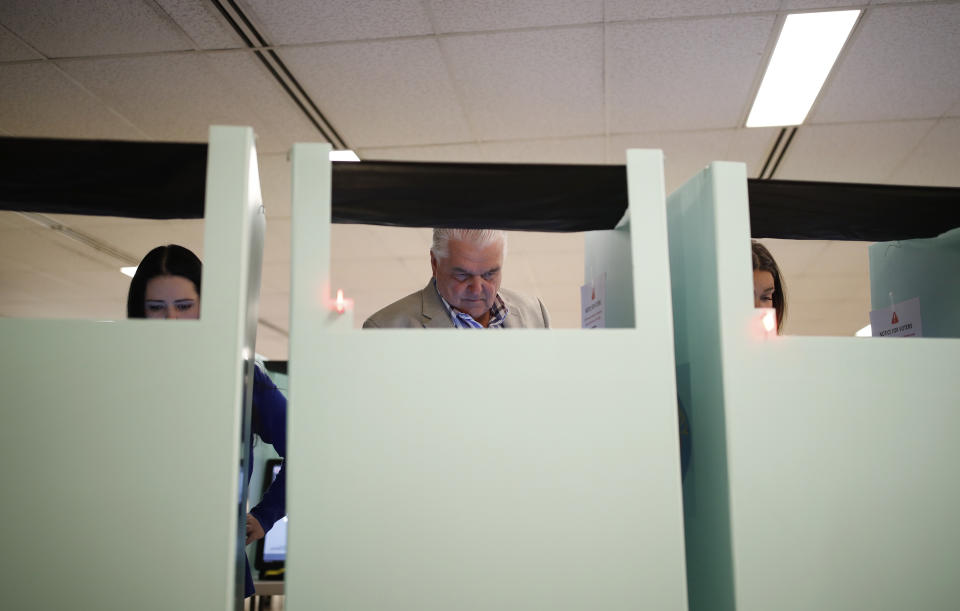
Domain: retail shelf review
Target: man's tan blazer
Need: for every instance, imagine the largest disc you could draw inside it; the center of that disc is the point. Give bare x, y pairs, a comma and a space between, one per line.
424, 309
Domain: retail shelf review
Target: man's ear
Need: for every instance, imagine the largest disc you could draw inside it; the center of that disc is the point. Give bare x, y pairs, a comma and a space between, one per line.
433, 264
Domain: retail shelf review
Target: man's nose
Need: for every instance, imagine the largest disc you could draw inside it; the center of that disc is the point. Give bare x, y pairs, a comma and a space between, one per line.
476, 284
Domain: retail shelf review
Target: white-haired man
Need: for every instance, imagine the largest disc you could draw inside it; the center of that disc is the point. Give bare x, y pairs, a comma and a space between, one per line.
464, 291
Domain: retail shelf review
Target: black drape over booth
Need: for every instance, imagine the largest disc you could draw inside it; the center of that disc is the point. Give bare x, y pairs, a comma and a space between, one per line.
167, 180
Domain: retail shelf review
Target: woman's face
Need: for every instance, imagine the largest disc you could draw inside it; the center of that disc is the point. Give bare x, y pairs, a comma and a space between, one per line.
763, 289
171, 297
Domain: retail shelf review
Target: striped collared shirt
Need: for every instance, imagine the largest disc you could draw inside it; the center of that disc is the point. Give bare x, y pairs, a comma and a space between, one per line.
462, 320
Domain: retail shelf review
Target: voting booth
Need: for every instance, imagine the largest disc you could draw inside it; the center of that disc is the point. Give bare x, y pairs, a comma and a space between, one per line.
121, 440
517, 469
823, 472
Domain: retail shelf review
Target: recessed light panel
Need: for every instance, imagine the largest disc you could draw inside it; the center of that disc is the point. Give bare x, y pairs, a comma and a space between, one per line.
805, 53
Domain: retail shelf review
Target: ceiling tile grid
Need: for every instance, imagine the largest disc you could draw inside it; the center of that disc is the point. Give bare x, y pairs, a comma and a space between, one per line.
861, 152
686, 153
13, 49
178, 97
586, 150
656, 84
275, 178
472, 16
59, 28
530, 84
309, 21
631, 10
381, 94
903, 63
805, 5
935, 162
40, 101
203, 23
271, 344
458, 153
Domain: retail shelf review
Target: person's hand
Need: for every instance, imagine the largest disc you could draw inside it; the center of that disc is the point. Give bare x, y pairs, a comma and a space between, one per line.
254, 530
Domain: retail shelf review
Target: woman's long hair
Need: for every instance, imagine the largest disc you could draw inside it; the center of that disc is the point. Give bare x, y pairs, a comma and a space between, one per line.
169, 260
763, 261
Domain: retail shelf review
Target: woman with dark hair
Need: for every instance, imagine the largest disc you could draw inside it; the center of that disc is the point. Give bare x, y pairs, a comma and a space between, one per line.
768, 286
167, 285
172, 270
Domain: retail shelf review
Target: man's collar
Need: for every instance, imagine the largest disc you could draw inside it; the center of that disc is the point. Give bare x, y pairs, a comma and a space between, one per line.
462, 320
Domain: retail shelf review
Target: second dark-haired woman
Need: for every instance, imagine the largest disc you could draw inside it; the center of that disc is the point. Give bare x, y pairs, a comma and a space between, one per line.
768, 285
167, 285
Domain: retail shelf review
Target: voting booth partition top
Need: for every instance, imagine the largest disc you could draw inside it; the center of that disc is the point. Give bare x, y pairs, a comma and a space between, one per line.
823, 473
122, 439
518, 469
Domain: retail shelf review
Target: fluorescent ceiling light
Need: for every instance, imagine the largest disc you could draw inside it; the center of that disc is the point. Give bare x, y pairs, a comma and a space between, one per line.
865, 332
347, 155
805, 53
129, 271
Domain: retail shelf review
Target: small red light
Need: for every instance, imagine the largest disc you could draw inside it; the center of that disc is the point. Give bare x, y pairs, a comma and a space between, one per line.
340, 305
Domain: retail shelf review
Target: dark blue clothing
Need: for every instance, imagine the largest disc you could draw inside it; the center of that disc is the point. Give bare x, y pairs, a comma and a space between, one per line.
269, 421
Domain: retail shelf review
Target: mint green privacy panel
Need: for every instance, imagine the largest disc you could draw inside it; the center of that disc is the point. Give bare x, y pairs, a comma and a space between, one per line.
823, 468
122, 438
520, 469
928, 269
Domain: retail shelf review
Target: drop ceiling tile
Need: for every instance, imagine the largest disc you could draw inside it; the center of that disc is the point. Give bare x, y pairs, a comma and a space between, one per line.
628, 10
351, 242
794, 257
683, 74
272, 345
903, 63
34, 285
275, 309
458, 153
93, 27
472, 16
530, 84
843, 258
275, 177
386, 274
275, 279
590, 150
935, 161
276, 242
863, 152
799, 5
379, 94
54, 308
307, 21
684, 153
403, 243
751, 146
13, 49
14, 220
40, 101
137, 237
48, 251
203, 23
178, 97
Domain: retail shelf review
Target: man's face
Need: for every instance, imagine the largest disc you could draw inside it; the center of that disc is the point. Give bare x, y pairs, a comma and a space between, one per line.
469, 277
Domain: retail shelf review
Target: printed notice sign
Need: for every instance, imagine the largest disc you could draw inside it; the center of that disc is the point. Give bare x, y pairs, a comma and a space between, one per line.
899, 320
593, 297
